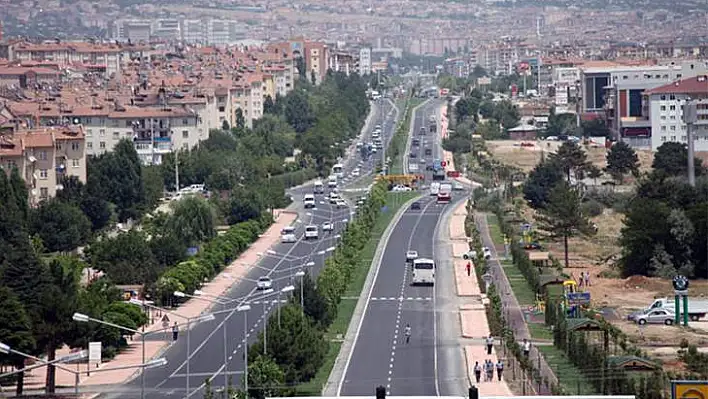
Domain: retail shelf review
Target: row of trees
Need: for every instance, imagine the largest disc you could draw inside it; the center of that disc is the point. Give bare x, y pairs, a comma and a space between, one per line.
296, 344
38, 296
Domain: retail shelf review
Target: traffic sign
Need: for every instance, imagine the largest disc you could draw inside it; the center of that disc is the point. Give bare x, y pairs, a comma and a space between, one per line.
165, 321
443, 164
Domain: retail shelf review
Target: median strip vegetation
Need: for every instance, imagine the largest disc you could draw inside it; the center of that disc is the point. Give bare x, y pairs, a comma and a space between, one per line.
303, 343
397, 146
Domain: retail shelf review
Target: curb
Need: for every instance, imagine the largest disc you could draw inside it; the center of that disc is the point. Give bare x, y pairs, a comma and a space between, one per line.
337, 374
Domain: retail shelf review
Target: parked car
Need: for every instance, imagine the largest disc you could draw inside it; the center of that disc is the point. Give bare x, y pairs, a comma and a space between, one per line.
264, 283
469, 255
656, 316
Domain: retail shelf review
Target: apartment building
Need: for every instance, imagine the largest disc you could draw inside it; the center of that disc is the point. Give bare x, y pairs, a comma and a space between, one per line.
617, 93
24, 77
98, 58
458, 66
665, 104
44, 156
343, 61
315, 55
498, 59
364, 61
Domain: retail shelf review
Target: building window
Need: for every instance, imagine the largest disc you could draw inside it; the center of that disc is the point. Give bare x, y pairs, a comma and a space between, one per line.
663, 128
185, 121
663, 139
673, 128
116, 135
102, 133
102, 144
75, 146
43, 174
672, 117
672, 108
672, 97
663, 107
185, 134
678, 76
683, 138
673, 138
222, 109
43, 193
42, 155
89, 133
128, 124
75, 163
663, 97
58, 146
87, 121
89, 145
662, 117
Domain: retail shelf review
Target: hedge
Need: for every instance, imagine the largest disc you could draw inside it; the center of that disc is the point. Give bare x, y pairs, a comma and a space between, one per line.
189, 275
296, 178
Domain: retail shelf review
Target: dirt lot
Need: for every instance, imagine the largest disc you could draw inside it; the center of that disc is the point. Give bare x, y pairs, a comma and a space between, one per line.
511, 152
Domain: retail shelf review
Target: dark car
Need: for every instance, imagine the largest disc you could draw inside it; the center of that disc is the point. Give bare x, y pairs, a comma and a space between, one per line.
415, 205
428, 151
413, 155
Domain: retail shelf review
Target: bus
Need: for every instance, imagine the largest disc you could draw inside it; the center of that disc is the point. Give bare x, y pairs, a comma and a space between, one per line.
423, 271
319, 187
338, 170
434, 189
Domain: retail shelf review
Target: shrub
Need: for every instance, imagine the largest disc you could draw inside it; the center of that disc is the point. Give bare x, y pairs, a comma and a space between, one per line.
592, 208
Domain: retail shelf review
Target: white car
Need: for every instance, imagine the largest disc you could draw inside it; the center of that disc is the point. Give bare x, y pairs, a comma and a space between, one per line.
287, 235
356, 172
309, 201
311, 231
457, 186
327, 226
264, 283
400, 188
333, 198
341, 203
487, 253
411, 256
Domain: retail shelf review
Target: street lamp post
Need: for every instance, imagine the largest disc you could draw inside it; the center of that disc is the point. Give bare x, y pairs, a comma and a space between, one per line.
245, 309
6, 349
284, 290
301, 274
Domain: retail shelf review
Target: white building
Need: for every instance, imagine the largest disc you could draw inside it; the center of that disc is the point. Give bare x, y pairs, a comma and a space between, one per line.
666, 112
365, 61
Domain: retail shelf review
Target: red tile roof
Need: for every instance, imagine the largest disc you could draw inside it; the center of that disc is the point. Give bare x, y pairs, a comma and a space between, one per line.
694, 85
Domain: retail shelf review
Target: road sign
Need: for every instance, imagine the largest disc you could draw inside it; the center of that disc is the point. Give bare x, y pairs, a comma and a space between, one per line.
689, 389
443, 164
95, 353
165, 321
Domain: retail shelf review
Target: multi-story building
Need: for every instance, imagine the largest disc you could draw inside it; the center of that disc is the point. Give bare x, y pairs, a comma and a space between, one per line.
364, 61
315, 55
135, 30
343, 61
44, 156
100, 58
498, 59
458, 66
665, 106
193, 31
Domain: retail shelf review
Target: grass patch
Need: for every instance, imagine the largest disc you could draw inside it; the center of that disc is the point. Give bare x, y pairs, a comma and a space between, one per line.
522, 291
345, 309
539, 331
397, 146
494, 230
569, 377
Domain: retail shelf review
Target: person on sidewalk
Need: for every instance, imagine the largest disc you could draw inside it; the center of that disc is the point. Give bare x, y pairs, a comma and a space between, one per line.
587, 279
408, 333
477, 371
526, 347
490, 344
468, 267
500, 369
175, 331
490, 370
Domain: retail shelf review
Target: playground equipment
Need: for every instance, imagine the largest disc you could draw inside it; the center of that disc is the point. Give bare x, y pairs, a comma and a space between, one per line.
574, 299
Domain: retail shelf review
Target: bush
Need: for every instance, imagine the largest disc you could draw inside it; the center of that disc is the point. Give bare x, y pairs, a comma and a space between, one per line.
592, 208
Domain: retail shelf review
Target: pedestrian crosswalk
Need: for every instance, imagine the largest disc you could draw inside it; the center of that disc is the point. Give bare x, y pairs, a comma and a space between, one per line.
401, 299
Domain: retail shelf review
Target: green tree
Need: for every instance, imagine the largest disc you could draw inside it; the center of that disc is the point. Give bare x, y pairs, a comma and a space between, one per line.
594, 173
672, 158
563, 217
507, 114
646, 225
16, 332
269, 106
560, 124
60, 298
96, 209
192, 220
244, 205
225, 126
61, 225
540, 182
622, 159
489, 130
127, 258
240, 119
595, 128
297, 111
486, 109
571, 158
154, 185
295, 344
19, 190
265, 378
315, 304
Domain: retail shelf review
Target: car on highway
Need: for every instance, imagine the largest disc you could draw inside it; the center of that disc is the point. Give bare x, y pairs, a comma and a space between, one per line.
411, 256
400, 188
487, 253
287, 235
413, 155
415, 205
341, 203
422, 161
457, 186
312, 232
428, 151
309, 201
333, 197
656, 316
264, 283
356, 172
327, 226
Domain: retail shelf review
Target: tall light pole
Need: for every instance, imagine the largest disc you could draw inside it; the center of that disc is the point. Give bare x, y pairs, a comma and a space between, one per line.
690, 116
284, 290
6, 349
301, 274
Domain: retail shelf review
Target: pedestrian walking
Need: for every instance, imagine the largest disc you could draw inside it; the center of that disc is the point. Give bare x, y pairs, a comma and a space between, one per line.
477, 371
490, 370
175, 331
587, 279
469, 268
500, 369
581, 280
526, 347
490, 344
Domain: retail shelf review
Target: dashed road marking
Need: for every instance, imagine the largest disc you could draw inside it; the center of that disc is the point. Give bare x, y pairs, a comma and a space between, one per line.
402, 299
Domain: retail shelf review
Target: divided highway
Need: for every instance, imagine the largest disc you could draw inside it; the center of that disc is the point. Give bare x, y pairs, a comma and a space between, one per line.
380, 355
280, 264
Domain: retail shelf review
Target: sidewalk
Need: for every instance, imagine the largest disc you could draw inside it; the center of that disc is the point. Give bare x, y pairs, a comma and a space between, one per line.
447, 155
132, 354
473, 319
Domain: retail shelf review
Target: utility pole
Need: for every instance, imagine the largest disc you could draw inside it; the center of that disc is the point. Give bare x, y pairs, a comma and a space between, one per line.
690, 116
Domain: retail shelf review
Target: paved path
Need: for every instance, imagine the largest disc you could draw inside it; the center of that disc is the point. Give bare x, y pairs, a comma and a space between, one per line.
473, 319
132, 355
513, 313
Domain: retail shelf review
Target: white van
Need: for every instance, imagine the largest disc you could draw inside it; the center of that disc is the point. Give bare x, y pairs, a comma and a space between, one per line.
423, 271
434, 189
311, 231
319, 187
309, 201
332, 182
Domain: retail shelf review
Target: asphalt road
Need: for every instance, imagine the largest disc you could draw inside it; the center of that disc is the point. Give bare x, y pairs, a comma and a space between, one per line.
381, 356
206, 340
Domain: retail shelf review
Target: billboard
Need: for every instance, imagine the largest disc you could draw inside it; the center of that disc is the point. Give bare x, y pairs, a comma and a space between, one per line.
689, 389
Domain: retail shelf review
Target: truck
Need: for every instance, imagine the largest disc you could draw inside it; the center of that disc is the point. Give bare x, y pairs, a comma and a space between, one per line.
319, 187
697, 308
